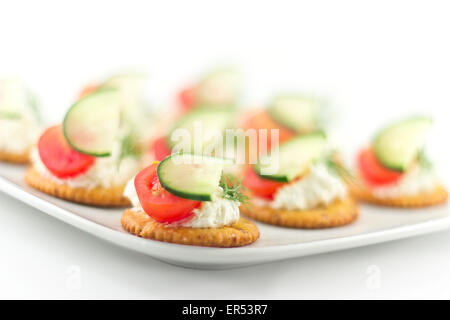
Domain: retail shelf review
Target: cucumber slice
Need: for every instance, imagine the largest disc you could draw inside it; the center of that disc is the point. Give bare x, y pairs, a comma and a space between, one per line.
129, 82
92, 123
294, 157
10, 115
295, 112
131, 87
397, 146
191, 176
202, 125
17, 100
218, 89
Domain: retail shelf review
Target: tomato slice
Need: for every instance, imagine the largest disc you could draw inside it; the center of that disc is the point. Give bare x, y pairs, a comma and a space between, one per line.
59, 158
262, 120
186, 97
159, 203
160, 149
260, 187
373, 172
87, 90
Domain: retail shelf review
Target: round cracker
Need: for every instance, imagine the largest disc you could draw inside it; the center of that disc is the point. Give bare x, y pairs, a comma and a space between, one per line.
425, 199
339, 213
98, 196
18, 158
241, 233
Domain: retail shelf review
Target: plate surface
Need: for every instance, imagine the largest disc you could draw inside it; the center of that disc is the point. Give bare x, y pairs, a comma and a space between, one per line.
374, 225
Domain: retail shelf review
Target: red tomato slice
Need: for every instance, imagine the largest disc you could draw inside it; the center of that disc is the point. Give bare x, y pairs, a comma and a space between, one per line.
87, 90
260, 187
186, 97
159, 203
373, 172
262, 120
59, 158
160, 149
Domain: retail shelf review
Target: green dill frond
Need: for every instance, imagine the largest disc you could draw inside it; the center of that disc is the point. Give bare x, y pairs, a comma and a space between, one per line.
33, 103
233, 188
129, 147
424, 161
338, 169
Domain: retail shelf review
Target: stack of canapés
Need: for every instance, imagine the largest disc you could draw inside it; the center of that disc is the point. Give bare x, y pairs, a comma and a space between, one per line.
184, 180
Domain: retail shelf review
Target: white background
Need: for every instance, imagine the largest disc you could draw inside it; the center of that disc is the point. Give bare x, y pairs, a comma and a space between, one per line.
374, 60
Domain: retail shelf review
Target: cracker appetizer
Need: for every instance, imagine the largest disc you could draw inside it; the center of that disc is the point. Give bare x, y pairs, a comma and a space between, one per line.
394, 171
186, 199
291, 114
203, 125
91, 156
19, 121
210, 103
130, 86
205, 129
217, 89
304, 190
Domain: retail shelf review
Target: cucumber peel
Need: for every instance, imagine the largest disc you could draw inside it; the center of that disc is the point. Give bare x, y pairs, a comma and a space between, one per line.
296, 112
398, 145
293, 158
92, 123
206, 122
11, 115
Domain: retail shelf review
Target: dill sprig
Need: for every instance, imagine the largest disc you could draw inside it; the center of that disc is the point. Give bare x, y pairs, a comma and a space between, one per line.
129, 147
424, 161
34, 104
337, 168
233, 188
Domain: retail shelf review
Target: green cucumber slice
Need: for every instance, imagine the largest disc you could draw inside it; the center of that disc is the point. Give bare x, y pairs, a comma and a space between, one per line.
191, 176
212, 123
130, 82
397, 146
296, 112
17, 100
10, 115
91, 125
131, 88
294, 157
218, 89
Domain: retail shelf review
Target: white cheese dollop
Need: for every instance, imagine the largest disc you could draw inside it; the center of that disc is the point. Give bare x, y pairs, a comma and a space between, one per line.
19, 132
17, 135
415, 181
106, 172
319, 187
212, 214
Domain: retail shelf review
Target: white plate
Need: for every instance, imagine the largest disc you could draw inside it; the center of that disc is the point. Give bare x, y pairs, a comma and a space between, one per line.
374, 225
